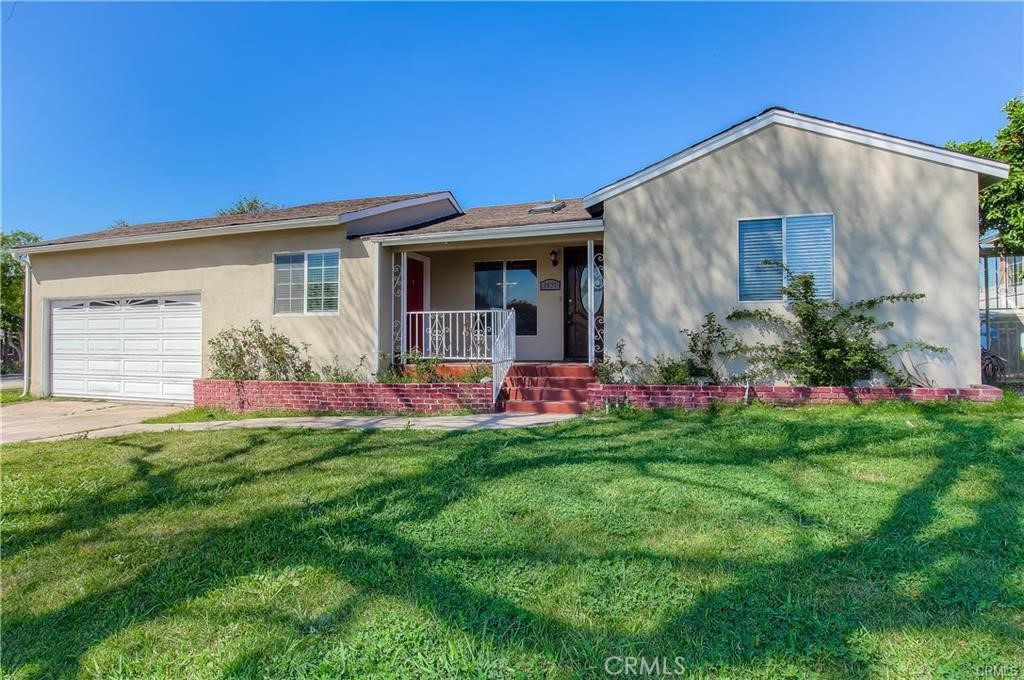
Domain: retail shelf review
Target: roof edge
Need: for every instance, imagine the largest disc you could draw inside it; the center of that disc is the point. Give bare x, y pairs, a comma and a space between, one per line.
233, 229
780, 116
181, 235
595, 225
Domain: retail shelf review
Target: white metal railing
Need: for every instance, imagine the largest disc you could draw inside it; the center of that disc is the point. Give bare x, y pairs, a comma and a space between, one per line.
504, 349
1002, 282
465, 335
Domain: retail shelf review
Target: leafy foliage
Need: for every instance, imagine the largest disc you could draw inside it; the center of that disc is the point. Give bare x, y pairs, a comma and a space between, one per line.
702, 361
118, 223
12, 286
421, 369
251, 353
338, 372
823, 342
993, 367
661, 370
248, 204
707, 346
1002, 204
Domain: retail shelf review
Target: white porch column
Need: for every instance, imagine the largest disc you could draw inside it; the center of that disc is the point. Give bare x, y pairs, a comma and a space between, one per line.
590, 302
403, 305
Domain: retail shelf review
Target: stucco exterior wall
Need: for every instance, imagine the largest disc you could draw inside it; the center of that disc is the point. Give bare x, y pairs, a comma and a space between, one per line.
901, 224
234, 275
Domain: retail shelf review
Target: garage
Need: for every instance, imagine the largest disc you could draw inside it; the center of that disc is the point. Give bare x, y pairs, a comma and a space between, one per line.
142, 348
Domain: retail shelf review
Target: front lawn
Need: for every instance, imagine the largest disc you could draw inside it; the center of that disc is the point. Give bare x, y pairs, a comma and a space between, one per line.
844, 541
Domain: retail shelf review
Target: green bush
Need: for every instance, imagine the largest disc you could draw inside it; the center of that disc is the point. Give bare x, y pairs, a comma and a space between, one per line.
661, 370
823, 342
420, 369
706, 346
251, 353
338, 372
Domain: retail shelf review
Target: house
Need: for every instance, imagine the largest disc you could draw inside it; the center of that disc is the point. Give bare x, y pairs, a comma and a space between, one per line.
1001, 305
127, 312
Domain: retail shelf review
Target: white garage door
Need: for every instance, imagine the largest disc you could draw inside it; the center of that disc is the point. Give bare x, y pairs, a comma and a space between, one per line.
145, 348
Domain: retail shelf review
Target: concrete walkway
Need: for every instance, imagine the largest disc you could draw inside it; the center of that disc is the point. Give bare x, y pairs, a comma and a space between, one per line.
484, 421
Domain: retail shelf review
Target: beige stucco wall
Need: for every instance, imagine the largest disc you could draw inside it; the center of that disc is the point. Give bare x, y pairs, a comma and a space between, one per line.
901, 224
234, 275
451, 288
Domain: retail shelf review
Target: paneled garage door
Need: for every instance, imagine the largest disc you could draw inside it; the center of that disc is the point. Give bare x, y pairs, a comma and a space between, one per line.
145, 348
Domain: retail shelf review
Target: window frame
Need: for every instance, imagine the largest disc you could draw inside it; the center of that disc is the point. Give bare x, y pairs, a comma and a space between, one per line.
783, 218
305, 282
504, 289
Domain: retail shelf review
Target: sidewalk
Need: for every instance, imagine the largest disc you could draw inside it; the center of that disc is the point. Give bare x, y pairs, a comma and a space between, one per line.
483, 421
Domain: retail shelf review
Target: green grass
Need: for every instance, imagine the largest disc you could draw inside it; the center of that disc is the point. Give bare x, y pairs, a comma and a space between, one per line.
13, 396
201, 414
840, 542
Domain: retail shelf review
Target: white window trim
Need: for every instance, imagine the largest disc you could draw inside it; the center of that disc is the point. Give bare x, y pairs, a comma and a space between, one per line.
504, 288
305, 281
784, 218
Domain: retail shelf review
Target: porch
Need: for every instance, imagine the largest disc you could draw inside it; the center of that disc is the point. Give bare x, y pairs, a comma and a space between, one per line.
497, 302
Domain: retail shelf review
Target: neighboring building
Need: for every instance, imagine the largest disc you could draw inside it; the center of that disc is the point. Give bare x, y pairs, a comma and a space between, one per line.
1001, 305
126, 312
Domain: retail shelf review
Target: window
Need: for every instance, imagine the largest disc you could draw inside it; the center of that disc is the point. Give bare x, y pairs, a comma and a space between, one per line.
509, 285
306, 282
803, 243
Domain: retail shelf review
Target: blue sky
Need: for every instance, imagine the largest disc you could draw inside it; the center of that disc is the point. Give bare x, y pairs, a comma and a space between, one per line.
162, 111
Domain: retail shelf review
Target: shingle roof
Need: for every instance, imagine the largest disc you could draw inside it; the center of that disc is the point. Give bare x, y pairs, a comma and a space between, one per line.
311, 210
512, 215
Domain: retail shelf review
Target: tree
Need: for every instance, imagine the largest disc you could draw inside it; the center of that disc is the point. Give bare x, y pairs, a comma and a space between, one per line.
1001, 206
117, 224
12, 289
248, 204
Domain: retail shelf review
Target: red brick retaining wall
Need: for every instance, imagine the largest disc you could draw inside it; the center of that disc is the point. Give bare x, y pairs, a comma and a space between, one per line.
259, 395
697, 396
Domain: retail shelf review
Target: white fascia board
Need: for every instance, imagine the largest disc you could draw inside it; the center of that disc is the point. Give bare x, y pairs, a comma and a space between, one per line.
407, 203
492, 233
303, 223
982, 166
300, 223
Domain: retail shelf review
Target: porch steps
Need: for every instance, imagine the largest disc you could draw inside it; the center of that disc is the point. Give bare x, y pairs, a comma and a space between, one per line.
547, 388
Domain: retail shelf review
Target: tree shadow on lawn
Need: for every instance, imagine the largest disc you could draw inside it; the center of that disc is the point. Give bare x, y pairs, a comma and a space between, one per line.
807, 609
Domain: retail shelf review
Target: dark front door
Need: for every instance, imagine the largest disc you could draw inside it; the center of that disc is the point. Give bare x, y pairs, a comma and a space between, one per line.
576, 303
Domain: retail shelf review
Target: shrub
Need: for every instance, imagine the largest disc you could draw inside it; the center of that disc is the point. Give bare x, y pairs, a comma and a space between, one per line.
251, 353
661, 370
337, 372
420, 369
706, 346
823, 342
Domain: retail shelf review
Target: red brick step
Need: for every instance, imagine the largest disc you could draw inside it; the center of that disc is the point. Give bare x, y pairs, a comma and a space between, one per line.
548, 387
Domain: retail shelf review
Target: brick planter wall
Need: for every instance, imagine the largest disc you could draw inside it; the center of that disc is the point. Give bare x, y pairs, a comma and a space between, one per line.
259, 395
697, 396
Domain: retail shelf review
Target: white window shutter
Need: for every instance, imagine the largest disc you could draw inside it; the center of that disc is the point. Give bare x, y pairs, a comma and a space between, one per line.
760, 240
809, 241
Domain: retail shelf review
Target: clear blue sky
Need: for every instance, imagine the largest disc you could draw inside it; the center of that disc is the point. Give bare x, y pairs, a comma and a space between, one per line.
163, 111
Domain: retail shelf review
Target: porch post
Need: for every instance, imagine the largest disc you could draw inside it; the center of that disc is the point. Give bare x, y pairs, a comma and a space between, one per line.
590, 302
402, 300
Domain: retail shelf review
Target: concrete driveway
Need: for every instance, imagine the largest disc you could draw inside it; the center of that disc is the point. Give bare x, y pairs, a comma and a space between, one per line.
47, 418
